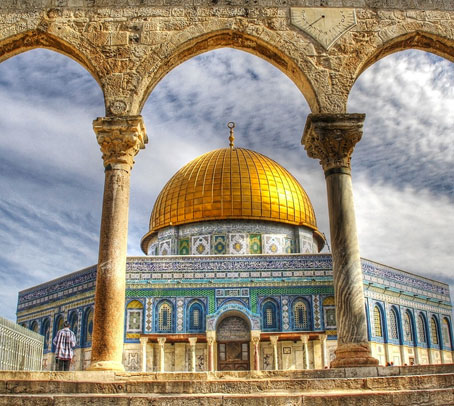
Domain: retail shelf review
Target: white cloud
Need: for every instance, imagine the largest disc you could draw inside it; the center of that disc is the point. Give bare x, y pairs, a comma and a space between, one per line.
52, 175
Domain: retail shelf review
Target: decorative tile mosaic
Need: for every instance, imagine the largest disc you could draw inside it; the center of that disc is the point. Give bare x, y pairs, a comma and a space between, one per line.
240, 292
237, 244
219, 244
201, 245
273, 244
183, 246
149, 315
316, 310
285, 313
165, 247
255, 244
180, 315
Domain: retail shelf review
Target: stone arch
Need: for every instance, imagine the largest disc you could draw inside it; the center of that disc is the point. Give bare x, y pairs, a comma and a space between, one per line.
84, 54
153, 68
434, 43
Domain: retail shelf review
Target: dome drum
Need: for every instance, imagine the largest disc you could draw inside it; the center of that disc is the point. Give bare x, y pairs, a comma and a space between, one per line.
233, 189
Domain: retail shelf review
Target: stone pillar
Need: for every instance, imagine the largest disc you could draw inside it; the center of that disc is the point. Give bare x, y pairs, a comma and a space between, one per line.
274, 340
255, 338
387, 355
192, 343
120, 140
416, 351
323, 338
304, 339
402, 354
332, 138
162, 358
210, 344
143, 344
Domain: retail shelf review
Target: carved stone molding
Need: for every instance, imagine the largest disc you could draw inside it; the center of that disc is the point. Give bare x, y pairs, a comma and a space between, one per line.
120, 139
331, 138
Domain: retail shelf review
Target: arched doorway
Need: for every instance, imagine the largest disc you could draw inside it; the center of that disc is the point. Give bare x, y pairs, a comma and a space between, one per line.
233, 336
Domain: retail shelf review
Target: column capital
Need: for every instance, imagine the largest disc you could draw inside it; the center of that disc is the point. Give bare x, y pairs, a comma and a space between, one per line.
255, 340
322, 337
120, 139
192, 341
304, 338
143, 340
331, 138
162, 340
274, 339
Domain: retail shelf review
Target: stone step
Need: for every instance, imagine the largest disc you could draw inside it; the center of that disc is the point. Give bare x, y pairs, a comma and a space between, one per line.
427, 397
244, 386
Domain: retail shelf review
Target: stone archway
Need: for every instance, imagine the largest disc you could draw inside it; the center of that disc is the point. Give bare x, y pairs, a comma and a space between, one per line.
233, 335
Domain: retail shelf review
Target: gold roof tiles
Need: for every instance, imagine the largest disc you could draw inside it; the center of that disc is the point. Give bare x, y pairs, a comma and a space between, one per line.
232, 183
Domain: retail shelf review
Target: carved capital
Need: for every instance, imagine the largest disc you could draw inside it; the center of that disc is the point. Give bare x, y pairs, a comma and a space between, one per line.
274, 340
192, 341
120, 139
161, 340
331, 138
304, 339
210, 341
143, 340
322, 337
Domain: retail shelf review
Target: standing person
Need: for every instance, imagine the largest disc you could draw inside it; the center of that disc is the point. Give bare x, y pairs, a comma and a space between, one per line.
64, 342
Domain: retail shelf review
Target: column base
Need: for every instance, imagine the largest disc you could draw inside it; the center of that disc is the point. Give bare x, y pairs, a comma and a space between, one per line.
354, 355
106, 366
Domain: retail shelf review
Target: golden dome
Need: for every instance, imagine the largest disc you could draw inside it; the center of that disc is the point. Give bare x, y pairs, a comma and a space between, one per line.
231, 183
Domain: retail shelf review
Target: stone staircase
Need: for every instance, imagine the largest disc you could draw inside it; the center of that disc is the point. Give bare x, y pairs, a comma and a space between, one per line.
378, 386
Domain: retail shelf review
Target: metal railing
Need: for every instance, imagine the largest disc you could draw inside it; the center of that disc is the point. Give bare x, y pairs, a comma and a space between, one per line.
20, 348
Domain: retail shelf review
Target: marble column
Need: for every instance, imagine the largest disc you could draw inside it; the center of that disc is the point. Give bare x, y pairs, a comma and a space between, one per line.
192, 343
162, 355
402, 354
210, 345
416, 351
143, 344
274, 340
304, 340
323, 338
120, 140
255, 338
331, 138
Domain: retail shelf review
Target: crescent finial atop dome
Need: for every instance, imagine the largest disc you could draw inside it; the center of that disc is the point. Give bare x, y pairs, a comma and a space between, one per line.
231, 126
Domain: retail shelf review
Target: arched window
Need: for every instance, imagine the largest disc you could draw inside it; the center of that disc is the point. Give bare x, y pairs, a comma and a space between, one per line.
393, 325
88, 327
45, 331
434, 331
422, 334
269, 315
446, 334
165, 317
34, 326
329, 311
134, 317
408, 327
74, 322
300, 315
378, 322
196, 317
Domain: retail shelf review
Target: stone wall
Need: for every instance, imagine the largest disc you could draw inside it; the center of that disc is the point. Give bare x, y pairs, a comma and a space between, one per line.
374, 4
128, 49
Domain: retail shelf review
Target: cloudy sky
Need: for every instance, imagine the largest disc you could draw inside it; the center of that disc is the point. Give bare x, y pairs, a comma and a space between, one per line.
51, 173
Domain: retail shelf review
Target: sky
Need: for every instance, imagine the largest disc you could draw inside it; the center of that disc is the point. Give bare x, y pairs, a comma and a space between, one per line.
51, 171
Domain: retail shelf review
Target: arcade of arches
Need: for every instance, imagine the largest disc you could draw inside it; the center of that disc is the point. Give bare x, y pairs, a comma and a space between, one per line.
129, 49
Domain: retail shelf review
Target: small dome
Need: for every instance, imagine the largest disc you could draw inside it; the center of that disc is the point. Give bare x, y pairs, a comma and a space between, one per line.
231, 183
